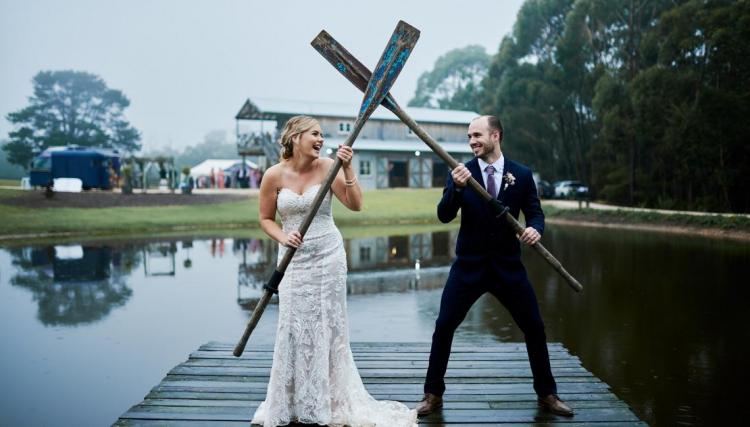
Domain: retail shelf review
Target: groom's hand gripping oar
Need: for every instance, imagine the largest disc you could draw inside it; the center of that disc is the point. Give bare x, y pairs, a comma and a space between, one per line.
358, 74
377, 86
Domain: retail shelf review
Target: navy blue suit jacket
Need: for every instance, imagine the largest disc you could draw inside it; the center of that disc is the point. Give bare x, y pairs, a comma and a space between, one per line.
484, 241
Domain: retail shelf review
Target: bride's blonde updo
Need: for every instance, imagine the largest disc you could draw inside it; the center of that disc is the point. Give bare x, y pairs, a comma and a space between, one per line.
296, 125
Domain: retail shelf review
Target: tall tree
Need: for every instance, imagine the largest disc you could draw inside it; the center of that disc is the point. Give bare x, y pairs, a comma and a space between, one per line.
8, 170
545, 79
607, 41
691, 104
70, 107
643, 99
525, 87
454, 82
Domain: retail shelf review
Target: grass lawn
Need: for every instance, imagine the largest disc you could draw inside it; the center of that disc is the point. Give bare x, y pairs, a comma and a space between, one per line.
393, 206
124, 220
393, 211
383, 208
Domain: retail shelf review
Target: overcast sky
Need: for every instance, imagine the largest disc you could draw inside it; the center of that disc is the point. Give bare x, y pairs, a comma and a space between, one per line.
188, 66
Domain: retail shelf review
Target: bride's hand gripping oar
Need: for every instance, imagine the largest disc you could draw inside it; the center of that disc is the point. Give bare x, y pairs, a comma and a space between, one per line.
359, 75
390, 65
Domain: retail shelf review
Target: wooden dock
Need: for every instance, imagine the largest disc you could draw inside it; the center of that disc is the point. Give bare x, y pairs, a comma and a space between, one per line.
488, 383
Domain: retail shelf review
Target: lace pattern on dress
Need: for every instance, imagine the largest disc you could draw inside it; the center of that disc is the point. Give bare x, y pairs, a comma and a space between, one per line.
313, 376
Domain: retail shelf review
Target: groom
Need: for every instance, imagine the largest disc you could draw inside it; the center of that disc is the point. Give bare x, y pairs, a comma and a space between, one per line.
488, 259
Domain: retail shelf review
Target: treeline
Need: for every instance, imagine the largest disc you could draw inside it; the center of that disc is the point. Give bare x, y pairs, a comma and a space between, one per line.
9, 170
646, 101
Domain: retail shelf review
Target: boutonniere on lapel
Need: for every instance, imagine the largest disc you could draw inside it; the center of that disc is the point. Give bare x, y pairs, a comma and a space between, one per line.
508, 179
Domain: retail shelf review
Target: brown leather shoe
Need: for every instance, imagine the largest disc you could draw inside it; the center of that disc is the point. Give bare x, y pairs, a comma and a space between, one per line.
429, 404
554, 404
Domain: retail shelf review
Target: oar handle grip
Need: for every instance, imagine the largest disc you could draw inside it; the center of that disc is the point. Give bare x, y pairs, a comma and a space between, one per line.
500, 210
273, 282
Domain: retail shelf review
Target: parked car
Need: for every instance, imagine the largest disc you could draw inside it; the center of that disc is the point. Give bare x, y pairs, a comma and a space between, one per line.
571, 190
544, 189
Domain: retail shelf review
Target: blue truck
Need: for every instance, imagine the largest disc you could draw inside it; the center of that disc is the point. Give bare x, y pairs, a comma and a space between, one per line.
93, 166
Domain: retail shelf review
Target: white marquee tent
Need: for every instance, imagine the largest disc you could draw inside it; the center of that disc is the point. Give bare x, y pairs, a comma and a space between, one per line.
227, 165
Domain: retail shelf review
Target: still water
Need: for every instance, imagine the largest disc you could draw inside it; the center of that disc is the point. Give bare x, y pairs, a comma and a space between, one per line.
89, 328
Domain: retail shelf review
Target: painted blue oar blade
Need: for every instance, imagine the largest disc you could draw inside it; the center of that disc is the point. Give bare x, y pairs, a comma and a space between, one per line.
389, 67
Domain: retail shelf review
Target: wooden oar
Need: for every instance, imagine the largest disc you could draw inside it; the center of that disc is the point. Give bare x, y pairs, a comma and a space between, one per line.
358, 74
376, 87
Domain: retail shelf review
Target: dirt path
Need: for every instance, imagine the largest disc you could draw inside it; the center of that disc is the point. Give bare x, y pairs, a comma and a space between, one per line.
715, 233
662, 228
573, 204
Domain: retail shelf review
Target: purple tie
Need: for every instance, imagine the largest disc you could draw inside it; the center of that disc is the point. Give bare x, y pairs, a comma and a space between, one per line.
491, 181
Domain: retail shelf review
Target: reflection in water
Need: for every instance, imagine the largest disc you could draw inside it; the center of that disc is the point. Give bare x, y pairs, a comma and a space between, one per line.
384, 253
159, 258
186, 246
397, 280
74, 284
376, 264
657, 319
258, 263
399, 263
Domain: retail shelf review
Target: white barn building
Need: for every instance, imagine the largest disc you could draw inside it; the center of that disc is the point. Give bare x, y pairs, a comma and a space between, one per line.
387, 153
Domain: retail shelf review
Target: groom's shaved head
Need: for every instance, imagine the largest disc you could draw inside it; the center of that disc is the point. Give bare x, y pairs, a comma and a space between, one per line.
493, 124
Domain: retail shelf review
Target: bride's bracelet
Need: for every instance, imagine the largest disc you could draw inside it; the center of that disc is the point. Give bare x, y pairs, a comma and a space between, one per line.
350, 182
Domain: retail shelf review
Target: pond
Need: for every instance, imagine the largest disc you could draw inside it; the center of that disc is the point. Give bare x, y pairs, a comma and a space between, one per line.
90, 327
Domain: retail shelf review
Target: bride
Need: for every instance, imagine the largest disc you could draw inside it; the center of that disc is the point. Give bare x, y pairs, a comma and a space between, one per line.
313, 377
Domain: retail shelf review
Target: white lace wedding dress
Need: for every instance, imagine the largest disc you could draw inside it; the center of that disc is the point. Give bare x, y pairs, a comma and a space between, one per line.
313, 377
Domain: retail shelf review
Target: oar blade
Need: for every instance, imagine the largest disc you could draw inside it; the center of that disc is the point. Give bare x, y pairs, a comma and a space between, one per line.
389, 67
348, 65
342, 60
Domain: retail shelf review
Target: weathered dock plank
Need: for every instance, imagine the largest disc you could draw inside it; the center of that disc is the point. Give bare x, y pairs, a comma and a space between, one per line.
488, 384
385, 363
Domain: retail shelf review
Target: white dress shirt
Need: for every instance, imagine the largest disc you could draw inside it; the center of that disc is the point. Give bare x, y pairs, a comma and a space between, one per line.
498, 176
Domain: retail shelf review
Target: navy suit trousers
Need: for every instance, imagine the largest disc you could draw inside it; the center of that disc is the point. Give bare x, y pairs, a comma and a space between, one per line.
517, 295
